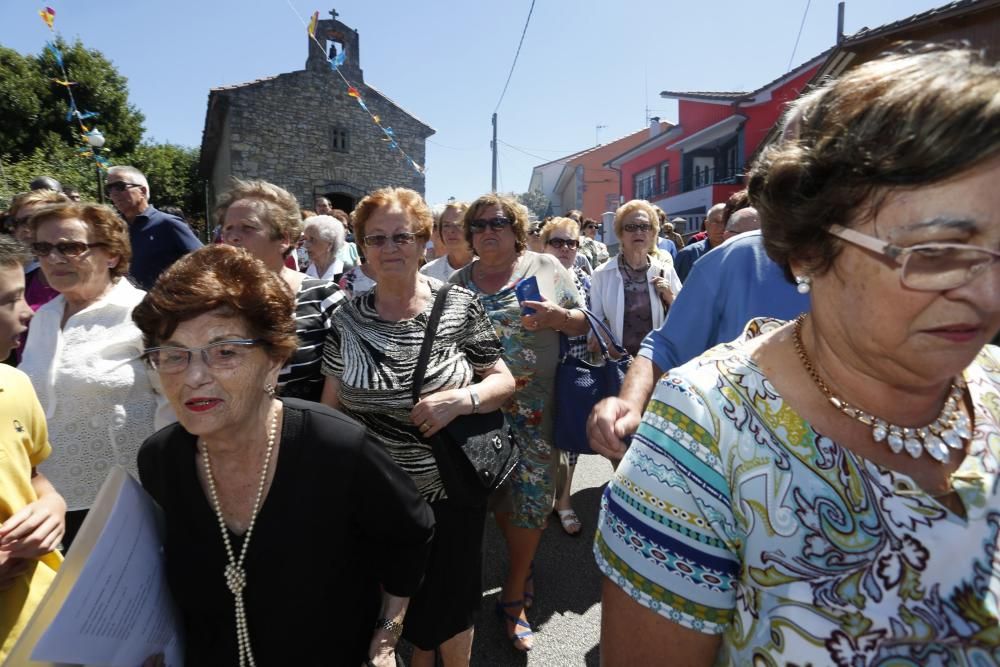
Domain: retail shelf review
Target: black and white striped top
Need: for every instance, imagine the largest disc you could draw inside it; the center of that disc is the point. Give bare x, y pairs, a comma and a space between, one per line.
301, 377
375, 360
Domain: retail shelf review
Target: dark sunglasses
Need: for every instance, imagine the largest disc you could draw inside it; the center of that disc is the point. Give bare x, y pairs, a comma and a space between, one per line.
637, 227
69, 249
379, 240
119, 186
586, 227
496, 224
559, 244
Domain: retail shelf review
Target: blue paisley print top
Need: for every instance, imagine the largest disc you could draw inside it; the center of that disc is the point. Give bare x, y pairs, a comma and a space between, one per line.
731, 515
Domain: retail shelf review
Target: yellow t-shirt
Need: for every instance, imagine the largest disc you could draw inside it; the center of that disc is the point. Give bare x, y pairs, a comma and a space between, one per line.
24, 443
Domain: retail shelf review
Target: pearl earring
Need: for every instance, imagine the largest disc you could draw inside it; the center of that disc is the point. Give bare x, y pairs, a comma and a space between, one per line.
803, 284
269, 389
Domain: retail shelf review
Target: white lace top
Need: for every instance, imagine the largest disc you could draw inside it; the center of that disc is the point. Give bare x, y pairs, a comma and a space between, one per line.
98, 396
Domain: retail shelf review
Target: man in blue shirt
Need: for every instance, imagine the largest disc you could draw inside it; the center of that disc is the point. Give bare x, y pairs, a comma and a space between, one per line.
158, 240
725, 289
715, 228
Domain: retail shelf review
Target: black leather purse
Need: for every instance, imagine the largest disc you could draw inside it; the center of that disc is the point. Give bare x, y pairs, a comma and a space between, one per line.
474, 453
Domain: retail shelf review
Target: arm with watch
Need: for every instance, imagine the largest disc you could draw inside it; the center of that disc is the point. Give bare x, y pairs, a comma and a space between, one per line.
435, 411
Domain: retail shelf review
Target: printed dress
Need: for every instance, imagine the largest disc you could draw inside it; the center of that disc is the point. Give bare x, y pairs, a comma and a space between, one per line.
531, 357
731, 515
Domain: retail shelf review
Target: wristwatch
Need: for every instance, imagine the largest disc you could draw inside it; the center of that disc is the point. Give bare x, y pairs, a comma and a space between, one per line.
394, 628
474, 395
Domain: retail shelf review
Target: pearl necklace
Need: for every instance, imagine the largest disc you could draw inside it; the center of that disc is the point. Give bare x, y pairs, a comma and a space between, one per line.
236, 576
945, 433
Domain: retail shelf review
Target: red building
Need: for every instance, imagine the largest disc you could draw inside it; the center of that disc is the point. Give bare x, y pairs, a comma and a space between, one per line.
700, 161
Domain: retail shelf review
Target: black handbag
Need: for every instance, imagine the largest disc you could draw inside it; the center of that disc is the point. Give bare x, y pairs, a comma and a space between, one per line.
580, 385
474, 453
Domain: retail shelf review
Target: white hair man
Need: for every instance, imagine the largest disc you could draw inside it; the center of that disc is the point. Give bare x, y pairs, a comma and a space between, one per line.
158, 239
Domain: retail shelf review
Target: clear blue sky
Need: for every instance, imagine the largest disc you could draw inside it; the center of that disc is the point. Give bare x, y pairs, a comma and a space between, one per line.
584, 63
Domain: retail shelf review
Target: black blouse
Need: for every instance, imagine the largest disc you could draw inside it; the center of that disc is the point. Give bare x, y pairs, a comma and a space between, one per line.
340, 522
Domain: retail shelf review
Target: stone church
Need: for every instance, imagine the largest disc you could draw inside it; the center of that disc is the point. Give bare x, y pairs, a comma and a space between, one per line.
303, 132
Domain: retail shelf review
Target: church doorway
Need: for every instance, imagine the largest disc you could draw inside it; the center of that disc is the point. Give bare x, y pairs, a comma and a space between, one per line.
342, 201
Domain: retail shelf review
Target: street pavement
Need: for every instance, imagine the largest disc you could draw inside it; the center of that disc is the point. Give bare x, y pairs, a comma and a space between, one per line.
566, 615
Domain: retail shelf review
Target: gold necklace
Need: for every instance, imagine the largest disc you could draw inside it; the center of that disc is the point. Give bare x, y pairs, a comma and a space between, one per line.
236, 576
946, 432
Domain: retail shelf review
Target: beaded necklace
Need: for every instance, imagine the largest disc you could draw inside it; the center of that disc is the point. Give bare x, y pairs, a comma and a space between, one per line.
236, 576
945, 433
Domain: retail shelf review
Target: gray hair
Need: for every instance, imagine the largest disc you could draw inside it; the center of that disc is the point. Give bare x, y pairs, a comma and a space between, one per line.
743, 220
12, 252
132, 173
328, 228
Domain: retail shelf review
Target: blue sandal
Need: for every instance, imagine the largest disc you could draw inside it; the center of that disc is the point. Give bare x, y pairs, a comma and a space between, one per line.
529, 598
516, 636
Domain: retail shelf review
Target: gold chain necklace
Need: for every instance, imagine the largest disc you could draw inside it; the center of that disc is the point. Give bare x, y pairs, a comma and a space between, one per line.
945, 433
236, 576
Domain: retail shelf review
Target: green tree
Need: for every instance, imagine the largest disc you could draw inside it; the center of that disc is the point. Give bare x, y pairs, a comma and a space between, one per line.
536, 202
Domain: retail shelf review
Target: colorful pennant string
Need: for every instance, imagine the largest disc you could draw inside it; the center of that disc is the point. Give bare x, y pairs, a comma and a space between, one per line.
84, 150
352, 91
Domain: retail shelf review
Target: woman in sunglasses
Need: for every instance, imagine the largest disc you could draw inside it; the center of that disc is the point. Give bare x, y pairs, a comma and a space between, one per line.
827, 492
370, 356
82, 353
561, 239
497, 228
291, 538
265, 220
633, 291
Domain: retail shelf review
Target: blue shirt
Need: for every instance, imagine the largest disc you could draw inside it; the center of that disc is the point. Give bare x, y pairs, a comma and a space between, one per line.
726, 288
688, 256
668, 245
158, 240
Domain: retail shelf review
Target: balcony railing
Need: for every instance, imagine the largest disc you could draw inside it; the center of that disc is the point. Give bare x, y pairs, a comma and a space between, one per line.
692, 182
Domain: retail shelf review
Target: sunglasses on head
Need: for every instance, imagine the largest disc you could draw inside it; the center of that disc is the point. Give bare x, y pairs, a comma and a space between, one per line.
559, 244
496, 224
637, 227
65, 248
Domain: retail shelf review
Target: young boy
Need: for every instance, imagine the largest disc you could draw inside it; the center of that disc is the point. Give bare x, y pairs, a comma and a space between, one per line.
32, 513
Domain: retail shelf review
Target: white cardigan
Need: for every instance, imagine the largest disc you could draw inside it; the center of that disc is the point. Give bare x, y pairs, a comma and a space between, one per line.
607, 292
98, 395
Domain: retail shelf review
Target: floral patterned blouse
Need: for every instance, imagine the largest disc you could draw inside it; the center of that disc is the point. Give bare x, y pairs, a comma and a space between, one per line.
730, 515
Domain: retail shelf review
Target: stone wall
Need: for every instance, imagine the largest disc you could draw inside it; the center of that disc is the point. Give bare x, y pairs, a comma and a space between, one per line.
280, 130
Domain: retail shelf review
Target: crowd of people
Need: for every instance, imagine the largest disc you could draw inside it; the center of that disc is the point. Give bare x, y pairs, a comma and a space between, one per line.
806, 445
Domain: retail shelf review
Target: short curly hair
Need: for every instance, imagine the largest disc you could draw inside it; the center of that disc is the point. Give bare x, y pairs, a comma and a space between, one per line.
104, 224
570, 225
408, 201
512, 209
279, 207
634, 206
222, 278
910, 118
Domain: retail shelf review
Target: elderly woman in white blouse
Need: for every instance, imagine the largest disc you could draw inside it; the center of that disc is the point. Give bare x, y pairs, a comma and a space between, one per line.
82, 354
323, 237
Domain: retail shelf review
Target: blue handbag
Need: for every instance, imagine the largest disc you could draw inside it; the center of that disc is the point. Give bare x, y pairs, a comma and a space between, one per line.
580, 385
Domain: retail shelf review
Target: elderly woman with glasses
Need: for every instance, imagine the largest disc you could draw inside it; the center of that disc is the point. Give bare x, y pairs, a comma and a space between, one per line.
264, 220
371, 354
633, 292
595, 251
497, 229
826, 491
291, 537
82, 353
322, 238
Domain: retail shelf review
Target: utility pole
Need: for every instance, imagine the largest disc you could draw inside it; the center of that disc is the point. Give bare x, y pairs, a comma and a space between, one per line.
840, 22
493, 144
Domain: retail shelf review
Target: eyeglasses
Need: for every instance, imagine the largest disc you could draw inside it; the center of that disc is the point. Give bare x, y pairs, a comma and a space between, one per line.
637, 227
927, 267
119, 186
559, 244
379, 240
496, 224
224, 354
586, 227
68, 249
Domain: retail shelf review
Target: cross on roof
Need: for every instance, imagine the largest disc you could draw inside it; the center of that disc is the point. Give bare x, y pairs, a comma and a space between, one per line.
334, 14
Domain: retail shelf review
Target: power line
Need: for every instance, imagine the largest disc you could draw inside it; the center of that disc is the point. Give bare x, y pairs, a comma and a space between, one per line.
516, 54
796, 47
520, 150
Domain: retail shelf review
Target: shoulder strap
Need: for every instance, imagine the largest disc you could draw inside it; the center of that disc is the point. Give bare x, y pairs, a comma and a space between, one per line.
425, 347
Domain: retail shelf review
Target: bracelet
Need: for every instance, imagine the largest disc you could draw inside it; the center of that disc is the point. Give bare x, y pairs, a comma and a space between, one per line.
394, 628
565, 321
474, 395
